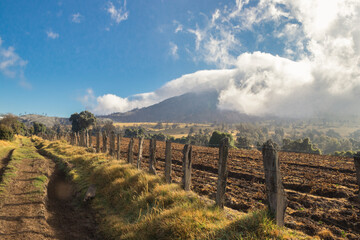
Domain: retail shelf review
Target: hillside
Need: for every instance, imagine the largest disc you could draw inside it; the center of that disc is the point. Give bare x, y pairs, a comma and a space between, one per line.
190, 107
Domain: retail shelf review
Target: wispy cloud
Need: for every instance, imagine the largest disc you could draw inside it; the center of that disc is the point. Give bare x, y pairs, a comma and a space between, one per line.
51, 34
179, 26
12, 65
174, 50
76, 18
117, 14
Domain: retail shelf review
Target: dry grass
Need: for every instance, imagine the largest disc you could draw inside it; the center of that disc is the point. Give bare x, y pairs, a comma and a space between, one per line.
132, 204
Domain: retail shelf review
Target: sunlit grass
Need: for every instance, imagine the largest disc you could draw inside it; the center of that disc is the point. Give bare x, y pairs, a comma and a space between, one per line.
132, 204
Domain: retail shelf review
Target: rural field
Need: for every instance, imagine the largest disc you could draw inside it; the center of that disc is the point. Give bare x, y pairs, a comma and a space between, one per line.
321, 190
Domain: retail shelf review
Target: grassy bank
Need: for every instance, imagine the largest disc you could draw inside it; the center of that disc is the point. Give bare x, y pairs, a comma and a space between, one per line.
131, 204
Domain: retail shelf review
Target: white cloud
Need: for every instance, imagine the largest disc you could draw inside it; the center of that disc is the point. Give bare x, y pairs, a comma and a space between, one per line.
76, 18
118, 14
51, 34
174, 50
317, 71
179, 26
11, 64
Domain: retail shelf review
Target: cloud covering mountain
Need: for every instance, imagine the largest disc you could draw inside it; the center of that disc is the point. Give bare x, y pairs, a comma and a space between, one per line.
304, 60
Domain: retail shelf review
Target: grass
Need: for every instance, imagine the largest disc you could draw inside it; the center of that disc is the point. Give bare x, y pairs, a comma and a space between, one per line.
24, 150
131, 204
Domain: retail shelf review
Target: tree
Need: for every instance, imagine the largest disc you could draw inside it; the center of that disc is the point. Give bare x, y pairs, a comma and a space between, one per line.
13, 122
217, 136
109, 127
39, 128
6, 132
82, 121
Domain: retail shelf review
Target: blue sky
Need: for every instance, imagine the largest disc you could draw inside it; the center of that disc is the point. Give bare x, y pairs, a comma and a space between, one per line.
60, 57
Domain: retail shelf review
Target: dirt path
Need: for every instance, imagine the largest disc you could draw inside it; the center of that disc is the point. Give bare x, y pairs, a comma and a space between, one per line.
29, 211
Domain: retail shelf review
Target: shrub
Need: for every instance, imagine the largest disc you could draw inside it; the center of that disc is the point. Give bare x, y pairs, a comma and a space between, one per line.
6, 133
217, 136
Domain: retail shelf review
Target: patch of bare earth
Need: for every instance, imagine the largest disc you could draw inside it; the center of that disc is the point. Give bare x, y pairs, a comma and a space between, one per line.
30, 212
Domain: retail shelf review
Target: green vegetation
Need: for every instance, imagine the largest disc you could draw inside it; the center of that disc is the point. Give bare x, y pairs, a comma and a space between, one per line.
302, 146
132, 204
217, 136
82, 121
6, 133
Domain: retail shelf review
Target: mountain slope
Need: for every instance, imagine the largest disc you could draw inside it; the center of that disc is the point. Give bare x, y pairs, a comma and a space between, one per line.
190, 107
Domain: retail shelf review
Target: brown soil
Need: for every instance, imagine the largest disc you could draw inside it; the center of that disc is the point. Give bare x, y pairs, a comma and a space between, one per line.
31, 213
322, 190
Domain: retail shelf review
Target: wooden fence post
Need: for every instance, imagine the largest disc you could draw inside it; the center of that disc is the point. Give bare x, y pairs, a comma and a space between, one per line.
168, 161
223, 174
82, 135
104, 142
130, 151
86, 138
357, 168
98, 137
186, 166
90, 138
152, 163
118, 146
141, 142
275, 190
112, 143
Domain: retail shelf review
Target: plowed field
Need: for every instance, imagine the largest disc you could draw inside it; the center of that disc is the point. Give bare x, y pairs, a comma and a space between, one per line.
321, 190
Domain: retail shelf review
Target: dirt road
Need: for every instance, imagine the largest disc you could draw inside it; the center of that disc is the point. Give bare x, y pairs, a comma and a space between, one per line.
38, 203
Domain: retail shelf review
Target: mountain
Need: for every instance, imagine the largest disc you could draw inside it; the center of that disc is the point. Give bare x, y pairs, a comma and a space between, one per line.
190, 107
48, 121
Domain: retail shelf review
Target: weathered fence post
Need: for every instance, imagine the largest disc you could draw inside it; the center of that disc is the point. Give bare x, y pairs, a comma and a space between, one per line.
141, 142
152, 163
275, 190
71, 138
186, 166
112, 143
86, 138
168, 161
78, 138
90, 138
98, 137
130, 151
118, 146
104, 142
81, 142
223, 174
357, 168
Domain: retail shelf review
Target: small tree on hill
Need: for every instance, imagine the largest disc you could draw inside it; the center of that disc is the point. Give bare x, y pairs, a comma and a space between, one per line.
82, 121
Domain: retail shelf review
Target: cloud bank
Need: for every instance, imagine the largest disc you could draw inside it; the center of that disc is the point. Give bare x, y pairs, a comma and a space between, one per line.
314, 70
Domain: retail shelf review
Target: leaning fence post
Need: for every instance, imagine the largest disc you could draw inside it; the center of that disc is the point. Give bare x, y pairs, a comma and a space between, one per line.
357, 168
152, 163
168, 161
104, 143
118, 145
275, 190
98, 137
112, 143
223, 174
141, 142
186, 166
130, 151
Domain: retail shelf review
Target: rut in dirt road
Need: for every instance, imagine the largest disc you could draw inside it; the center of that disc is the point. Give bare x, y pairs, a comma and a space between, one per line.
4, 163
68, 220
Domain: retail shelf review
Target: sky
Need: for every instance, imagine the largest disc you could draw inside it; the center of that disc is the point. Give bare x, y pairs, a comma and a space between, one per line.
264, 57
